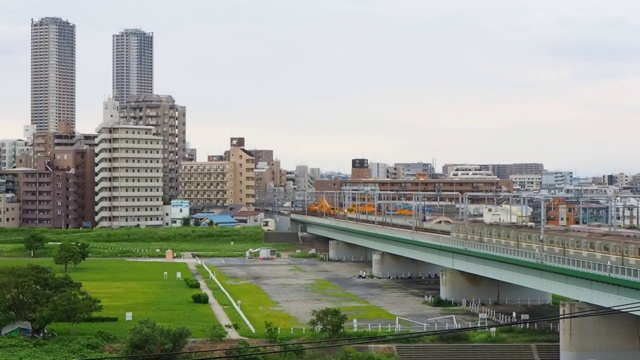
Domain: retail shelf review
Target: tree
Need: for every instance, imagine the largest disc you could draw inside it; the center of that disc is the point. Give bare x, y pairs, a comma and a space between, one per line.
68, 253
329, 321
270, 332
149, 338
35, 294
84, 250
186, 221
34, 241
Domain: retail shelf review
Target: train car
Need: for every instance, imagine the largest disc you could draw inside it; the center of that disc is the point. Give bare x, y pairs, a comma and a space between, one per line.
586, 247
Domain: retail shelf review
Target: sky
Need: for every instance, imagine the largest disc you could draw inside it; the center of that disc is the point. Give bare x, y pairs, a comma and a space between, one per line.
324, 81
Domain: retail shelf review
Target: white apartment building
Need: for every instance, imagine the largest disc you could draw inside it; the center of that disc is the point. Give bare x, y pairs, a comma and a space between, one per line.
128, 176
9, 149
557, 178
378, 170
527, 182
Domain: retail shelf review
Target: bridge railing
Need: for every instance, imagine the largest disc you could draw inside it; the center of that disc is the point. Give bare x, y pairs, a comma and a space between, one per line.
594, 267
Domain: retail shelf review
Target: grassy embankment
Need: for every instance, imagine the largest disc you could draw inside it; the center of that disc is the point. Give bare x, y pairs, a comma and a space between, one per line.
138, 242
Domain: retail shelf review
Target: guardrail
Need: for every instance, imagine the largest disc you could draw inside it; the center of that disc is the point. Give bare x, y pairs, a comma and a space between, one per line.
593, 267
212, 276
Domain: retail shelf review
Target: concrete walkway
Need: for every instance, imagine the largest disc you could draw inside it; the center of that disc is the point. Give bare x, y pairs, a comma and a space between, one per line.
215, 306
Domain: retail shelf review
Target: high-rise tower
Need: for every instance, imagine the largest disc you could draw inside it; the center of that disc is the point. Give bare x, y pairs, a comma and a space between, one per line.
53, 73
132, 64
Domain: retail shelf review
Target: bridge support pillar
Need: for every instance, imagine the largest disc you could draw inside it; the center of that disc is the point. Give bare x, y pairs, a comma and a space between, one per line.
457, 285
342, 251
598, 337
385, 264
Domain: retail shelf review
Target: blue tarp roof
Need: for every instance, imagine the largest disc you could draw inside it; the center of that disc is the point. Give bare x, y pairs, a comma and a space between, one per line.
220, 220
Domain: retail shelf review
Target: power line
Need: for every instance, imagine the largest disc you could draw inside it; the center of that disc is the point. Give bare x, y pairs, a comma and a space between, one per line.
630, 307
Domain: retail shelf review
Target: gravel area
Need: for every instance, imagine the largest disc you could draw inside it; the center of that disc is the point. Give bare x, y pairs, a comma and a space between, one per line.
287, 281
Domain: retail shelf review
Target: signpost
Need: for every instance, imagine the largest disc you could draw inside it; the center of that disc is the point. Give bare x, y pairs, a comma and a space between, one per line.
129, 316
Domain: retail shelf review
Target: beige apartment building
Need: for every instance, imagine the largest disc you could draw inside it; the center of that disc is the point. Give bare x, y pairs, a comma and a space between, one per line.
9, 210
169, 121
128, 176
220, 182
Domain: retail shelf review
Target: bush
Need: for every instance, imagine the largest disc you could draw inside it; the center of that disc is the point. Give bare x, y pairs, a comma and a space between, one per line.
200, 298
192, 283
459, 337
218, 332
106, 337
146, 337
100, 319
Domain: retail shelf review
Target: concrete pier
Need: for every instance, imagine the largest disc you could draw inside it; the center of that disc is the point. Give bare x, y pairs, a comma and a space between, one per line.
598, 337
456, 285
385, 264
342, 251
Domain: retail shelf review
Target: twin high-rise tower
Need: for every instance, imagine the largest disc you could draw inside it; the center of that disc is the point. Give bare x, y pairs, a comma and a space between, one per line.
132, 64
53, 70
53, 73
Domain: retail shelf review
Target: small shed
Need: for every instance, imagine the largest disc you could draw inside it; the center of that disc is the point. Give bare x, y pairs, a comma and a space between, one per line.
267, 254
18, 328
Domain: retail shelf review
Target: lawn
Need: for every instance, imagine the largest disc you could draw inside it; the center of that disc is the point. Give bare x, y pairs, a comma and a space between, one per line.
351, 305
147, 242
138, 287
254, 302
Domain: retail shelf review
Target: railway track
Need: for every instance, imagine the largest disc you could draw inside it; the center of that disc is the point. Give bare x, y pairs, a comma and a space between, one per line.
385, 224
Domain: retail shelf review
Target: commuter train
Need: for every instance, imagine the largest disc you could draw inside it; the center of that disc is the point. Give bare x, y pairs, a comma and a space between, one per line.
575, 246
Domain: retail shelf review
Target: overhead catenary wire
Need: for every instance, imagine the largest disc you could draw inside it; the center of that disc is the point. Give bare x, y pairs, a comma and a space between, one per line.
629, 307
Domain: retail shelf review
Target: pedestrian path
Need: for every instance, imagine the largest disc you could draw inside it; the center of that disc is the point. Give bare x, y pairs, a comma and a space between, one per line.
218, 311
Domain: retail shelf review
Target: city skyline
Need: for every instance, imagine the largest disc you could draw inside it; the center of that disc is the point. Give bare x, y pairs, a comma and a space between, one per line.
462, 83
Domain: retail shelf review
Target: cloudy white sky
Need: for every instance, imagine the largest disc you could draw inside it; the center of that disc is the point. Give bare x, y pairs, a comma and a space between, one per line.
322, 81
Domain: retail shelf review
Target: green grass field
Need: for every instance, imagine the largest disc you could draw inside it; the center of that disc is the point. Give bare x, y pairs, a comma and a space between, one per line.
137, 242
255, 303
351, 305
138, 287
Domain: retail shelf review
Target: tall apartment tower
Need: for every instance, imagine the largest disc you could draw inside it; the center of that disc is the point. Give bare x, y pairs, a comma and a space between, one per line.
132, 64
169, 121
53, 73
128, 175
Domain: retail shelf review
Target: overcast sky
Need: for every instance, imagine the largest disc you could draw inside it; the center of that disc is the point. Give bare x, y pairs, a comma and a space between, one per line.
322, 82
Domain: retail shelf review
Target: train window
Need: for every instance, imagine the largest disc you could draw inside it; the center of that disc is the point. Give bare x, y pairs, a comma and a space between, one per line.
552, 241
606, 248
626, 251
592, 245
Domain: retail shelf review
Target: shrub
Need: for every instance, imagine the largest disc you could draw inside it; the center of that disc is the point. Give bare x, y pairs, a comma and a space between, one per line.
459, 337
218, 332
106, 337
192, 283
100, 319
200, 298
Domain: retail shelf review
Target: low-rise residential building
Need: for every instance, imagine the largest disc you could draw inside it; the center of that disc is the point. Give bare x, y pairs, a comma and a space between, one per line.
556, 178
9, 210
527, 182
175, 213
249, 218
128, 176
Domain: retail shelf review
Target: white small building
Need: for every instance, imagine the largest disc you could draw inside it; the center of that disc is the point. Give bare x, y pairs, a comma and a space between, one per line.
557, 178
507, 214
174, 213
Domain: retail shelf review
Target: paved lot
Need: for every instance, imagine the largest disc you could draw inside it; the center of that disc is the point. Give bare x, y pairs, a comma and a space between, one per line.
287, 281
